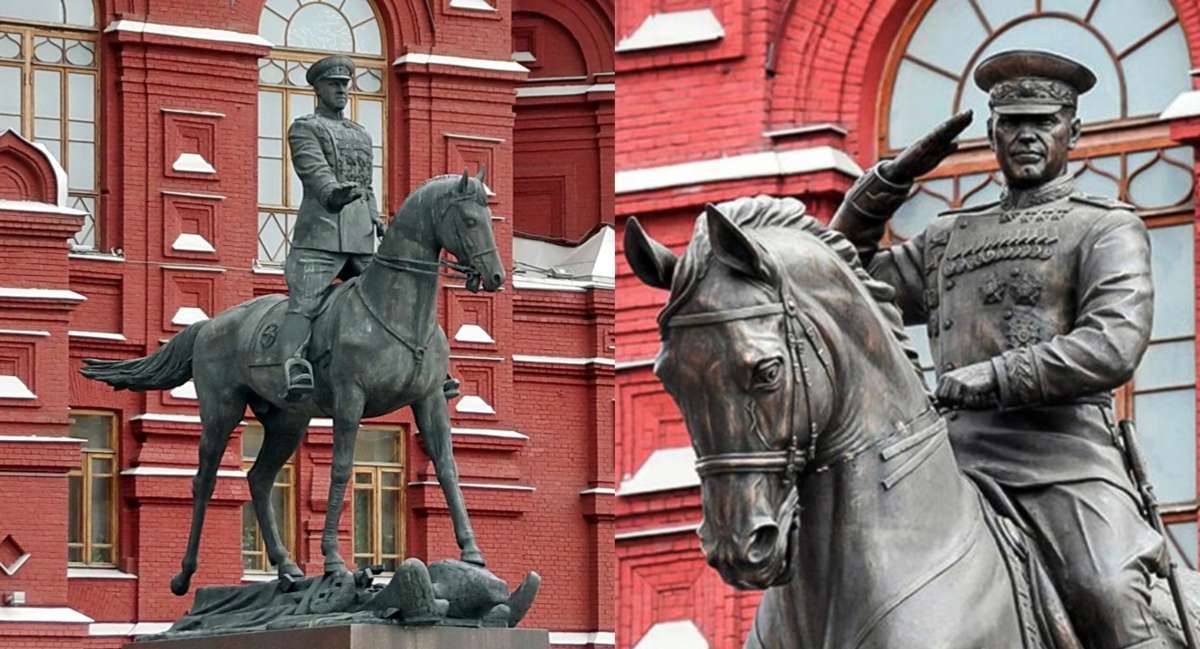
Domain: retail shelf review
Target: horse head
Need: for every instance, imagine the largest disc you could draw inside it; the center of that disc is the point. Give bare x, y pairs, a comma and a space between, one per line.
756, 301
456, 219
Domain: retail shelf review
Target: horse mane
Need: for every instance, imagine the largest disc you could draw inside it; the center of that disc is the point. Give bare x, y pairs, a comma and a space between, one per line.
767, 211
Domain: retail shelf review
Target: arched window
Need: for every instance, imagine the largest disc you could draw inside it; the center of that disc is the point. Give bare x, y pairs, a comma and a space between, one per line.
1139, 53
49, 72
302, 34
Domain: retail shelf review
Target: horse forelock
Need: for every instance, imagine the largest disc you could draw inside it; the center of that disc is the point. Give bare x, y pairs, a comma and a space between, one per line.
761, 212
441, 188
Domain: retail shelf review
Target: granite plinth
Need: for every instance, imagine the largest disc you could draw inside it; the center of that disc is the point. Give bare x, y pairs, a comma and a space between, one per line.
365, 636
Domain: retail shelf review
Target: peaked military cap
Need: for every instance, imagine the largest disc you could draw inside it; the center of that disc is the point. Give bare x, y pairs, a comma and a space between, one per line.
1032, 82
330, 67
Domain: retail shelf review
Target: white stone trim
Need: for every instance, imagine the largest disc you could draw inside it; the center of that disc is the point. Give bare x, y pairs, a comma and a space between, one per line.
41, 294
666, 469
194, 33
749, 165
185, 391
193, 163
39, 439
680, 634
524, 57
96, 255
259, 577
99, 335
211, 197
12, 570
473, 404
472, 5
202, 269
477, 138
674, 28
605, 638
43, 614
488, 432
98, 573
197, 113
561, 360
476, 485
564, 285
565, 91
60, 177
558, 80
801, 130
1187, 104
24, 332
187, 242
189, 315
175, 472
40, 208
12, 387
599, 491
473, 333
417, 58
659, 531
637, 364
157, 416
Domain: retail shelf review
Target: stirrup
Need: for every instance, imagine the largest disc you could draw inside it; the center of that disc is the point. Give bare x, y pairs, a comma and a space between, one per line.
301, 383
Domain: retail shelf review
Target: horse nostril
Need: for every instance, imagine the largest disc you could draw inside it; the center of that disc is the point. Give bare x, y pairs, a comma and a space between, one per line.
762, 542
498, 278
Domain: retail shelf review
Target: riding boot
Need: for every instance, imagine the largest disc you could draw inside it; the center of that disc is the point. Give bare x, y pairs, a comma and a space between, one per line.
293, 340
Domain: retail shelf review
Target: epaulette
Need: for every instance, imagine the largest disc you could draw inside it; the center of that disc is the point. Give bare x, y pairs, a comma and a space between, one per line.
983, 207
1101, 202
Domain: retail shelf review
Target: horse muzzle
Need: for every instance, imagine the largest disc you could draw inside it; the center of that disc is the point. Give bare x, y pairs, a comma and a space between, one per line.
757, 560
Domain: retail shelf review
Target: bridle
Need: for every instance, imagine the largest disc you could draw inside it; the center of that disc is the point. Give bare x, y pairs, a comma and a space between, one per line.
467, 271
795, 461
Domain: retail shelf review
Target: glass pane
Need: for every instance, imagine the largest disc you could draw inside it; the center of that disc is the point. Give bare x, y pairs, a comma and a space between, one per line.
252, 440
358, 11
81, 53
47, 93
270, 181
389, 565
389, 504
10, 101
44, 12
270, 147
390, 478
916, 213
1162, 184
249, 528
81, 131
999, 12
366, 39
81, 165
1166, 423
81, 12
920, 339
362, 521
102, 466
75, 506
369, 81
101, 510
75, 555
1173, 266
270, 71
1183, 536
96, 430
10, 45
272, 27
943, 31
272, 237
1125, 21
102, 555
376, 446
370, 116
1097, 184
363, 478
47, 50
270, 114
1157, 72
320, 27
1167, 364
921, 99
1077, 7
279, 505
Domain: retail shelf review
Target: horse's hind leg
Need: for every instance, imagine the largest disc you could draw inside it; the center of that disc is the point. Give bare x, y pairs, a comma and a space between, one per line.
433, 419
282, 432
221, 411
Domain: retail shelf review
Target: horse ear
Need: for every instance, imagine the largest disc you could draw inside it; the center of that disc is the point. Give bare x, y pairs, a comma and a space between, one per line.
651, 261
734, 248
465, 183
482, 170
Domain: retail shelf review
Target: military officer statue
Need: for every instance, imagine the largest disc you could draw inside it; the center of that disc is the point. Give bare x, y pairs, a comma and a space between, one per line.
339, 218
1037, 306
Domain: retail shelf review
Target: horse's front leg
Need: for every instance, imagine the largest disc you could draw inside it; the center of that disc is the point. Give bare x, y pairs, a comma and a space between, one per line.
347, 414
433, 420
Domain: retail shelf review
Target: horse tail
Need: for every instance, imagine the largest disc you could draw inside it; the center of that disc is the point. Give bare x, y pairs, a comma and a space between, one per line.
169, 367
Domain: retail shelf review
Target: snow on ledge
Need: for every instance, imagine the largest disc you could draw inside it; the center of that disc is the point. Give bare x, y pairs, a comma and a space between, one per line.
192, 243
664, 470
43, 614
196, 33
12, 387
193, 163
681, 634
185, 391
605, 638
41, 294
751, 165
473, 333
674, 28
1187, 104
417, 58
474, 5
188, 315
472, 404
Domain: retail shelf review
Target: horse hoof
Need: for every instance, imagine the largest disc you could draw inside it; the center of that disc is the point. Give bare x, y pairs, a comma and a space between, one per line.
336, 566
474, 557
290, 569
181, 584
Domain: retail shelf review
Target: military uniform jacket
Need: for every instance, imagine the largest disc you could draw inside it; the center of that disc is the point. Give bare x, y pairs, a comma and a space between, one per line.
1056, 294
327, 151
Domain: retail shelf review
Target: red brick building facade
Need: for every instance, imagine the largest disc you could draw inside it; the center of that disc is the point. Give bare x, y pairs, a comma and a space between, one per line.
729, 98
145, 184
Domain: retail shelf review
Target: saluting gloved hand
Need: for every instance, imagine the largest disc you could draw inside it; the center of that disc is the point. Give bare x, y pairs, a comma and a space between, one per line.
345, 194
972, 387
924, 155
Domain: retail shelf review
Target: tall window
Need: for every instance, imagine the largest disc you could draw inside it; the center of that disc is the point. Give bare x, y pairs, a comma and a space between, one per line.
379, 498
303, 34
1141, 62
92, 522
48, 72
283, 503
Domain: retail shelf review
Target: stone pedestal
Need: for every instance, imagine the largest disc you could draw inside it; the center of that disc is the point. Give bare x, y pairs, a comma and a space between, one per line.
365, 636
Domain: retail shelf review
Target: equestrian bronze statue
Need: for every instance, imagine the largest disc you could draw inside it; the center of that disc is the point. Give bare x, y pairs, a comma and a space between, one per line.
831, 478
376, 346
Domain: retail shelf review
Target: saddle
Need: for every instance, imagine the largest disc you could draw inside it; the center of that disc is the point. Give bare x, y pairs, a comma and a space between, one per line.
263, 348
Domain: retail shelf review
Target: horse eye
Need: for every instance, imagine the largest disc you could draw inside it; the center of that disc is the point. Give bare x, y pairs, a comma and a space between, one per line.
469, 221
767, 374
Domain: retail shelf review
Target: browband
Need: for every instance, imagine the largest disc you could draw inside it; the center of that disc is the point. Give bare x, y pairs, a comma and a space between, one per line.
728, 315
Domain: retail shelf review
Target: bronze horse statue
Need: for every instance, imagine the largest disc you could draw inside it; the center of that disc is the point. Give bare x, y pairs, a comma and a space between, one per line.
376, 347
827, 475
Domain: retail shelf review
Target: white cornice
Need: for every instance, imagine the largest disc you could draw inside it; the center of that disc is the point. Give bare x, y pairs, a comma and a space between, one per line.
417, 58
561, 360
605, 638
764, 164
193, 33
42, 614
41, 294
565, 90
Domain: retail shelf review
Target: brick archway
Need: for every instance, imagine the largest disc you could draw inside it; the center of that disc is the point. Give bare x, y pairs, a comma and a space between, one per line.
29, 173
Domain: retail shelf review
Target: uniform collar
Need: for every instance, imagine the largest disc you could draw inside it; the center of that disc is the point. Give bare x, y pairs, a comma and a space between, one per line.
329, 113
1059, 188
